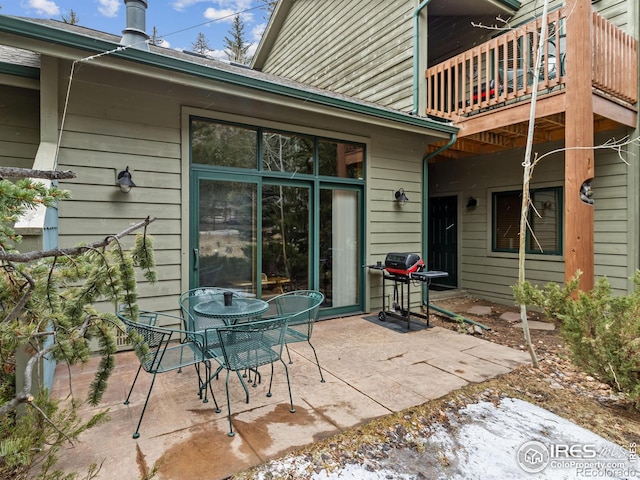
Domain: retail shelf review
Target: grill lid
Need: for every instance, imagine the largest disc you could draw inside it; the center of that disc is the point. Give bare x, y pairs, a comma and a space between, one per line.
403, 263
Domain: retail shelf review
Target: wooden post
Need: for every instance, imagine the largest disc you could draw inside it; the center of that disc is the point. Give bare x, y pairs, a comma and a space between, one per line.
578, 166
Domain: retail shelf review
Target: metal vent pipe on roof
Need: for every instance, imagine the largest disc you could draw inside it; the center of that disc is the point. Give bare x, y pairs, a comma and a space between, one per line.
135, 34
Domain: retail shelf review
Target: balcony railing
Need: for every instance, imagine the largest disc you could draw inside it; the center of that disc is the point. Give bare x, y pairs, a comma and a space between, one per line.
501, 71
615, 61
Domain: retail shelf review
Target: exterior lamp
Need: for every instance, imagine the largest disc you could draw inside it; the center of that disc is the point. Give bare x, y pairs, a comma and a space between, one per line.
401, 197
124, 181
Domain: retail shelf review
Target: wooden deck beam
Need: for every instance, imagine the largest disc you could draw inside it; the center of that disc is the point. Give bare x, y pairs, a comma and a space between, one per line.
579, 157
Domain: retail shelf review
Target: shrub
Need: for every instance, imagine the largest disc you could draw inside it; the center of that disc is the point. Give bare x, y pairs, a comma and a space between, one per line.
602, 331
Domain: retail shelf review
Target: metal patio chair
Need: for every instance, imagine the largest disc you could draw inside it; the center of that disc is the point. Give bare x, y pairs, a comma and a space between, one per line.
303, 307
161, 349
247, 346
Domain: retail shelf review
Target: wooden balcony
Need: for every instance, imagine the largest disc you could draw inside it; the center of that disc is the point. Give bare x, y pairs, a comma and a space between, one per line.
486, 91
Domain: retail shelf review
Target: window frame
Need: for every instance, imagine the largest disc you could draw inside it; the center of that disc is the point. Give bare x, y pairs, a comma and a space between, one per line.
559, 192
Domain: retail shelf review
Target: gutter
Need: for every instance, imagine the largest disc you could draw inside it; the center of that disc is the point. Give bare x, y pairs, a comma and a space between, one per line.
457, 317
425, 200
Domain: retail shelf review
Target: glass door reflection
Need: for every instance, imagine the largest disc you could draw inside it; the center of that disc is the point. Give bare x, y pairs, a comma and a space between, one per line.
226, 251
285, 239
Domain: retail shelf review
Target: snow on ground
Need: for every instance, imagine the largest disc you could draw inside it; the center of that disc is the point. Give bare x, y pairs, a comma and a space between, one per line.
513, 440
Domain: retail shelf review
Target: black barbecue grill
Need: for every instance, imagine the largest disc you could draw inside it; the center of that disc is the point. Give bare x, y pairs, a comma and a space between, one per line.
402, 269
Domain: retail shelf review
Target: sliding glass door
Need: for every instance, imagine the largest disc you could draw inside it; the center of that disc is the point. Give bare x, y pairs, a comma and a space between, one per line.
225, 249
340, 247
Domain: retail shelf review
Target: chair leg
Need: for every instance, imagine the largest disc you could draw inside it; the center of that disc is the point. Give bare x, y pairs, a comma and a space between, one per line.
126, 402
201, 384
231, 432
317, 361
207, 367
288, 354
144, 408
286, 371
270, 381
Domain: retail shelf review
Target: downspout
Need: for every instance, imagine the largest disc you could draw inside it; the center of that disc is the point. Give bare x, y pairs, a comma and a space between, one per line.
416, 53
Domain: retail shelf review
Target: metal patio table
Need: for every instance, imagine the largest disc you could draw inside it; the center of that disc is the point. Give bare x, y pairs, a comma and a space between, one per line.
240, 308
231, 310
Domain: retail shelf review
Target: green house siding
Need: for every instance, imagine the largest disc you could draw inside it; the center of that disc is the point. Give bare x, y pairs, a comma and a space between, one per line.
117, 119
615, 217
19, 126
315, 36
490, 274
109, 127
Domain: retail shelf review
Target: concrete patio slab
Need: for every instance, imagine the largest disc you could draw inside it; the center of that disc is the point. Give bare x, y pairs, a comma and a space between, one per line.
371, 369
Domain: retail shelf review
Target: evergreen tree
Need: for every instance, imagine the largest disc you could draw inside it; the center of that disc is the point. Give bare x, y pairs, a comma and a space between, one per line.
201, 45
236, 47
48, 310
71, 19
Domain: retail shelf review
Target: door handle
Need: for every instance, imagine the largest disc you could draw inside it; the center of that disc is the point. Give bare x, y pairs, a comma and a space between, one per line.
196, 259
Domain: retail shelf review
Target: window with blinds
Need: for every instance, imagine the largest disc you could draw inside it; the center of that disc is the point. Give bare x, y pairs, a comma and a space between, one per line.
545, 221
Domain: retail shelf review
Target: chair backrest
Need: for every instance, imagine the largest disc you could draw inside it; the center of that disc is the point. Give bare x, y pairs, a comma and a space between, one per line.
251, 344
188, 300
155, 346
149, 342
302, 306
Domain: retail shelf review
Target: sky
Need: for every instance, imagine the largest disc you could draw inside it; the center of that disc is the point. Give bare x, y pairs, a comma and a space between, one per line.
178, 22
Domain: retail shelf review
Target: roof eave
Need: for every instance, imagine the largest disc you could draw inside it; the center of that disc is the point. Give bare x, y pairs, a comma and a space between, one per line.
277, 19
48, 35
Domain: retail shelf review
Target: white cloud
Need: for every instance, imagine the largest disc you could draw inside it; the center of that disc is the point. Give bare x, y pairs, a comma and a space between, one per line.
109, 8
224, 14
182, 4
257, 31
252, 49
44, 7
218, 55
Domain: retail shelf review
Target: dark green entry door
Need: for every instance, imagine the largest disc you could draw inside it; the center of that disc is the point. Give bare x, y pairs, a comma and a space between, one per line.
443, 239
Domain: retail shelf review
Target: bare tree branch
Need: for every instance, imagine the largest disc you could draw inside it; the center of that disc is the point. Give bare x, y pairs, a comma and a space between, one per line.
60, 252
13, 172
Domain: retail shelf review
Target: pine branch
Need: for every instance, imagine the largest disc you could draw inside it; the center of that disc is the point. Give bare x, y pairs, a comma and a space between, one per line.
25, 396
24, 299
50, 422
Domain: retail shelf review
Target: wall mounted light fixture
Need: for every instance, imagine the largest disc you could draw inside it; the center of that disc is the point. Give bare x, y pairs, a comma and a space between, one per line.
401, 197
472, 202
124, 181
